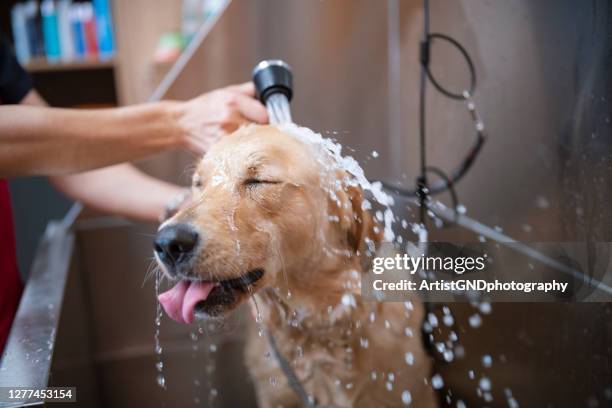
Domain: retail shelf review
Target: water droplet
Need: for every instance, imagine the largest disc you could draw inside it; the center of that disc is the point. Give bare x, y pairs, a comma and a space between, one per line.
406, 398
485, 384
409, 357
461, 404
487, 361
485, 308
212, 348
475, 321
161, 381
389, 386
348, 300
437, 382
374, 154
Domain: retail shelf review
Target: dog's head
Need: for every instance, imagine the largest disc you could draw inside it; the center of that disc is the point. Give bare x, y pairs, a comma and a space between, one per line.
264, 212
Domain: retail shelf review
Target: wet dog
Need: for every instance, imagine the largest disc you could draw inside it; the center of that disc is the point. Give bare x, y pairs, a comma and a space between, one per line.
268, 221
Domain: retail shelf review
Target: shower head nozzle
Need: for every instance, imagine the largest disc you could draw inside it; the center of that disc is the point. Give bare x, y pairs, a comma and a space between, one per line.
273, 76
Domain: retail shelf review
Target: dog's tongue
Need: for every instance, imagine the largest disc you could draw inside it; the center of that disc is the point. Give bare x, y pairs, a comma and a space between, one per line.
180, 301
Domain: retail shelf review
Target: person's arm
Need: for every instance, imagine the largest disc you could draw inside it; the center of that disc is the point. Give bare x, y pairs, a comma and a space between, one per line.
121, 190
50, 141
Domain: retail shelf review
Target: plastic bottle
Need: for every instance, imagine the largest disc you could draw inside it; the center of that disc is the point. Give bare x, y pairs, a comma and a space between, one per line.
48, 14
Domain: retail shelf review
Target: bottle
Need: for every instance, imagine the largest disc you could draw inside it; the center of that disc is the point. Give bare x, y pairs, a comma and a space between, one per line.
104, 26
48, 14
88, 22
65, 31
33, 29
20, 33
77, 31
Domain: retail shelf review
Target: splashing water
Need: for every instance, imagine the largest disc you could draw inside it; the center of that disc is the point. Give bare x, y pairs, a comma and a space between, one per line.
329, 156
159, 364
437, 382
406, 398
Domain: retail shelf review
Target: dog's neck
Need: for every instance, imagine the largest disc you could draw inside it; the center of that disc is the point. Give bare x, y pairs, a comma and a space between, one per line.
328, 303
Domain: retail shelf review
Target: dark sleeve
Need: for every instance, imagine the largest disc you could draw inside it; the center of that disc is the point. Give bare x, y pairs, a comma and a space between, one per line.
15, 83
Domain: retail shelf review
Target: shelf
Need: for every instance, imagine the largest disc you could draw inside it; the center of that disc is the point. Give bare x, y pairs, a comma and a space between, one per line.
176, 68
42, 65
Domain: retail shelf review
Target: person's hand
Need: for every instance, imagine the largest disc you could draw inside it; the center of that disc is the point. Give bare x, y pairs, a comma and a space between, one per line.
205, 119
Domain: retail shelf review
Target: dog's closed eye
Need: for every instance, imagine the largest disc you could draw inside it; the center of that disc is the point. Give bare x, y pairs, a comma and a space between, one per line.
253, 182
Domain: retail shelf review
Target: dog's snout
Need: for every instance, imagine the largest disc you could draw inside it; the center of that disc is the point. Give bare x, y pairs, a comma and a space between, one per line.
174, 244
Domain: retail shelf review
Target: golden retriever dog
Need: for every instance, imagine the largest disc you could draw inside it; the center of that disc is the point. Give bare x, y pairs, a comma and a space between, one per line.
270, 222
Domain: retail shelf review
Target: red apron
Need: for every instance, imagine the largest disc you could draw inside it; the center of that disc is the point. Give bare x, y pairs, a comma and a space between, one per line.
10, 283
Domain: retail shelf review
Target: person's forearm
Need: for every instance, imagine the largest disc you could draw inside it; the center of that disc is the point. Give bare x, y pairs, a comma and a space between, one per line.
121, 190
49, 141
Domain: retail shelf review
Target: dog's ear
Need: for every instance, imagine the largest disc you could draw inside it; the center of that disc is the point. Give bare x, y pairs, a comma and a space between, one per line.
364, 227
356, 223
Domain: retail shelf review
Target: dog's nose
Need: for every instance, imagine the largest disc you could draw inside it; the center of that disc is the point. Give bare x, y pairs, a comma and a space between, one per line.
175, 243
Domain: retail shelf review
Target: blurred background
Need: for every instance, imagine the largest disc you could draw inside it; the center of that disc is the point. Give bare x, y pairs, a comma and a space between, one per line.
543, 91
